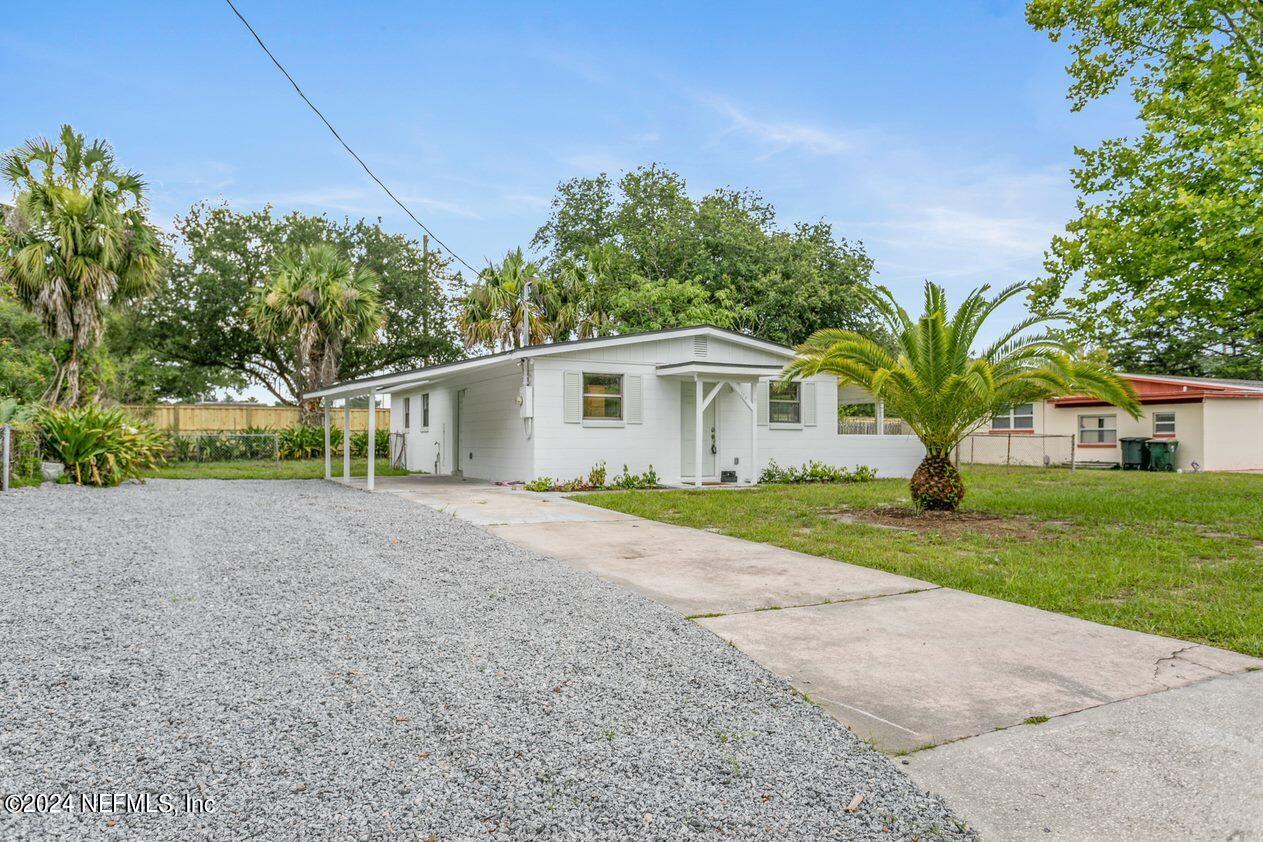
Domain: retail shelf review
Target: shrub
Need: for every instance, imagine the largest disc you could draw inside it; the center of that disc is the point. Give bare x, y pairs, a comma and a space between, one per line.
814, 471
539, 484
596, 480
302, 442
100, 446
627, 480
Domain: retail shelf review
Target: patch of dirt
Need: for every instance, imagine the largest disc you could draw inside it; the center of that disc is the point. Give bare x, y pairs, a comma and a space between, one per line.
951, 524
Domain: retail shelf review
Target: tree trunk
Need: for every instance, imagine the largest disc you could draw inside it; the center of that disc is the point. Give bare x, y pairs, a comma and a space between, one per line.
69, 392
937, 485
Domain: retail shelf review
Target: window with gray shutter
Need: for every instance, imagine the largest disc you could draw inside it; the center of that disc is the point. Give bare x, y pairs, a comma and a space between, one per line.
762, 390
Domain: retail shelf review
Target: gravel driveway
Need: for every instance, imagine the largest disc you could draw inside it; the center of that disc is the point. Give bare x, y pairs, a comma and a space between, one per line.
317, 661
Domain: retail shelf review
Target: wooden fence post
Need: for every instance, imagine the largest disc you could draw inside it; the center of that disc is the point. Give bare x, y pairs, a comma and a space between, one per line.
6, 432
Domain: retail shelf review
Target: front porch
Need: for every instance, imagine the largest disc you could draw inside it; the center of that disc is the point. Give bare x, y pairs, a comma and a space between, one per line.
701, 384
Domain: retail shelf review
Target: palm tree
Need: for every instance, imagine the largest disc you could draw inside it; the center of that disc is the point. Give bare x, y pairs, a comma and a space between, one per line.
579, 289
320, 302
492, 312
927, 374
75, 241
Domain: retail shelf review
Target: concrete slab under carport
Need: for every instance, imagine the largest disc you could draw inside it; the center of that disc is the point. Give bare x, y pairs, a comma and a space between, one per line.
698, 572
924, 668
1184, 764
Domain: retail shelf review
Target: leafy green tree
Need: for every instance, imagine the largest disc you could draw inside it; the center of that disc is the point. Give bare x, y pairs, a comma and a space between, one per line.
317, 304
654, 305
76, 241
1168, 240
929, 375
200, 320
779, 284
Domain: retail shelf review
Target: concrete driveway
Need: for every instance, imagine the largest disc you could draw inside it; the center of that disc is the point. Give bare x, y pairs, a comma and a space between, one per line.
905, 663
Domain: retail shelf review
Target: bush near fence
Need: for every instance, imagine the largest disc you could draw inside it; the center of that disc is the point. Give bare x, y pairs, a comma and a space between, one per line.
297, 442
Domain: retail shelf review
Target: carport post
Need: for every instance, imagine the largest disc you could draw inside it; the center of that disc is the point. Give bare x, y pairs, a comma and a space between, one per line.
754, 432
346, 440
372, 439
328, 455
697, 433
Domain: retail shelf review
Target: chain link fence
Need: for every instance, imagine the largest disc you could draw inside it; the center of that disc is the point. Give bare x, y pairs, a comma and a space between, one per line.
1039, 450
223, 447
19, 457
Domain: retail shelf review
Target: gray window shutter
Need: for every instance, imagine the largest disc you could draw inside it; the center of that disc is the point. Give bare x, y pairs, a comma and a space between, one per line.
809, 404
635, 399
762, 402
573, 411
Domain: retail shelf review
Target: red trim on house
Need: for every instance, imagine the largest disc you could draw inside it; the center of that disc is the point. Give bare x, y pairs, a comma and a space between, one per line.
1011, 432
1098, 445
1154, 389
1163, 436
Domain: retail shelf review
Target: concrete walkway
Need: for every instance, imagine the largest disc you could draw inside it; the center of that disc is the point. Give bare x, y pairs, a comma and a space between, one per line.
909, 665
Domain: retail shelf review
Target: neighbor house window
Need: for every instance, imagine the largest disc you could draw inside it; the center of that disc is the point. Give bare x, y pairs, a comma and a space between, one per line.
1164, 424
603, 397
1098, 429
425, 411
1020, 417
407, 414
784, 402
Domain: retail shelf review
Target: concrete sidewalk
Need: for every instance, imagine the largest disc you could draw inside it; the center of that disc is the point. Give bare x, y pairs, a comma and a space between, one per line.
904, 663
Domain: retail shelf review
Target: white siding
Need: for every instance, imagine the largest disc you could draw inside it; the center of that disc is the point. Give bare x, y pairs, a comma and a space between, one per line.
1233, 435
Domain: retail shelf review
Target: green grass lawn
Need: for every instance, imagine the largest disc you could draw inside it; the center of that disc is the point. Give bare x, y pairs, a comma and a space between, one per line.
266, 469
1171, 554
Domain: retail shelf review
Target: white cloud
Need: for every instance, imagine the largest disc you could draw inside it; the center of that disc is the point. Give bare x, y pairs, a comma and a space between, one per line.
781, 134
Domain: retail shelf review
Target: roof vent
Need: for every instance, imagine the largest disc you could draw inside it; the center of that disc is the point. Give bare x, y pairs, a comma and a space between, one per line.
699, 346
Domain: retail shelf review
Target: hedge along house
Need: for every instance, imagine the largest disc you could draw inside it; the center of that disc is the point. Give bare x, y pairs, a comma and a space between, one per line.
1218, 423
698, 404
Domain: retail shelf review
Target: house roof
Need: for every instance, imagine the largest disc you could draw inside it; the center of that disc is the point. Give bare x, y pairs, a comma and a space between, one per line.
378, 382
1164, 388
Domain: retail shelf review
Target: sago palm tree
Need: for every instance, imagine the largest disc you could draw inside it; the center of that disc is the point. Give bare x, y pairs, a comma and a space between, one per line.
492, 312
75, 241
318, 301
927, 372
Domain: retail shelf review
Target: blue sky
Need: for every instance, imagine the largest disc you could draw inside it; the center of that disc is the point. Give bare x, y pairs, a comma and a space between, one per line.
936, 133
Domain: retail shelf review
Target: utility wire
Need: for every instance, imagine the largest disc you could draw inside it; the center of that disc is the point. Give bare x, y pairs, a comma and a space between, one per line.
345, 146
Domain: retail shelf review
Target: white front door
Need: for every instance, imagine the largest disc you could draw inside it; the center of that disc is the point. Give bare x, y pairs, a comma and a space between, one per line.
688, 426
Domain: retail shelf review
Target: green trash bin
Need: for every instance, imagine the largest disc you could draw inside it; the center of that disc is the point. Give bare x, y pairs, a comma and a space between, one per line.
1162, 454
1135, 454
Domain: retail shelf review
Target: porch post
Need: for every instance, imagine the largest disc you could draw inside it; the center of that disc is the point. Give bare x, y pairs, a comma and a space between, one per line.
697, 433
346, 440
881, 417
328, 455
372, 439
754, 432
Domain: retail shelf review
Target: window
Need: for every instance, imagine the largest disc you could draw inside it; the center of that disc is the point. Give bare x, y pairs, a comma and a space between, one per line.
603, 397
784, 402
1098, 429
1020, 417
425, 411
1164, 424
407, 414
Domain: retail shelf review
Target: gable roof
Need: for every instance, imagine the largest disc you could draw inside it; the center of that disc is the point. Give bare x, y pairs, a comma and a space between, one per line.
417, 376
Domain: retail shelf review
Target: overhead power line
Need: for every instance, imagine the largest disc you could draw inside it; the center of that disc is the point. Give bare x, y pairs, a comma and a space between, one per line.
345, 145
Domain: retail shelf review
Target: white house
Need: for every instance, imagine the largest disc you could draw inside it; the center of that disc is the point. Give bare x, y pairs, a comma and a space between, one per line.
697, 403
1218, 425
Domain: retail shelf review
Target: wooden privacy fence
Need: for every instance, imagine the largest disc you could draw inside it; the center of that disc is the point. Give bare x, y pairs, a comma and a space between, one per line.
197, 417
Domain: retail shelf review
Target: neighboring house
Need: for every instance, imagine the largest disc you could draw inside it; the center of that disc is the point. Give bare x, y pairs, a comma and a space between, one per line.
1218, 424
695, 403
